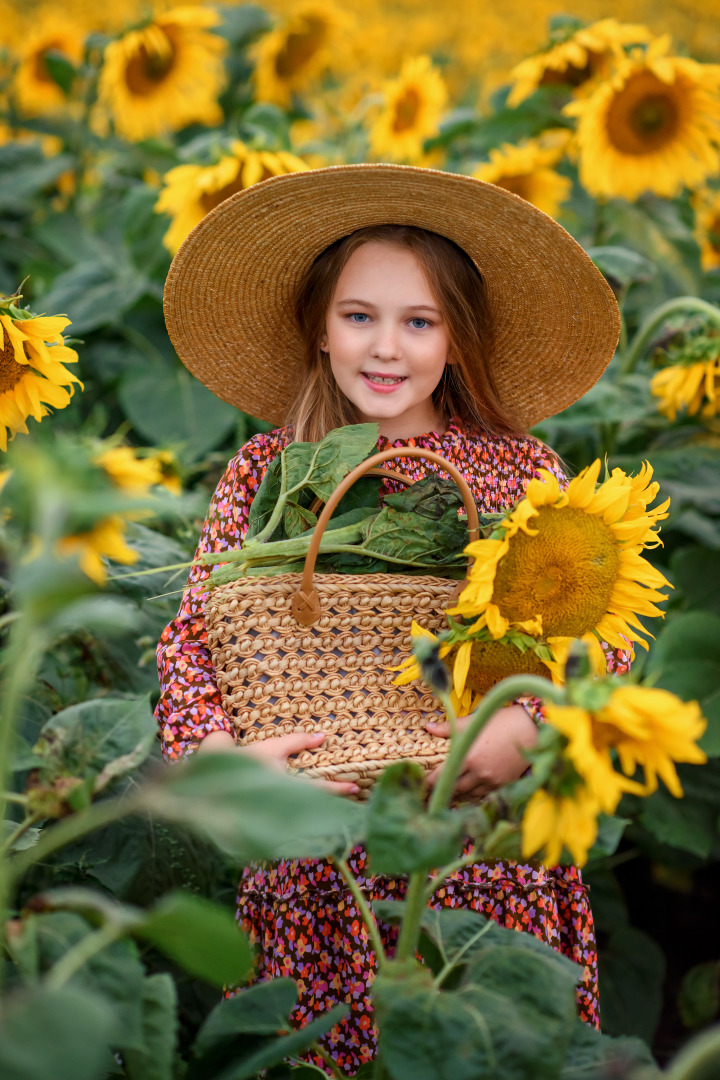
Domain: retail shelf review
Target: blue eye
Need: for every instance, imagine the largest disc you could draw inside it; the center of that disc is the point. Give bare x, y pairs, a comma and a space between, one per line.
358, 317
422, 324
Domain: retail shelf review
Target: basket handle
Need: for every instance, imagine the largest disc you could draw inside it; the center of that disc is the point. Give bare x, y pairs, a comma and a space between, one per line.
387, 474
305, 602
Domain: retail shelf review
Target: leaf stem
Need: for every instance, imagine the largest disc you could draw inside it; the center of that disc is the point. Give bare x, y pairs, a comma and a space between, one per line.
453, 960
334, 1071
79, 955
25, 647
412, 918
14, 797
656, 318
696, 1060
364, 909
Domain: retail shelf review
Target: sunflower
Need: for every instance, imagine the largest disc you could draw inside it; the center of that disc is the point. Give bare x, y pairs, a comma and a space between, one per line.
106, 540
129, 472
35, 89
706, 204
526, 170
553, 821
190, 191
32, 371
653, 127
164, 76
695, 387
293, 54
576, 56
570, 559
478, 663
414, 103
647, 727
692, 383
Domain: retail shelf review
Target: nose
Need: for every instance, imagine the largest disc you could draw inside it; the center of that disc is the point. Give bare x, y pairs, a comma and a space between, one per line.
386, 343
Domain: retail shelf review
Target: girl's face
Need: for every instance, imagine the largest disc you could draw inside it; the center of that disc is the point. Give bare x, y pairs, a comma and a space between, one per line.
387, 340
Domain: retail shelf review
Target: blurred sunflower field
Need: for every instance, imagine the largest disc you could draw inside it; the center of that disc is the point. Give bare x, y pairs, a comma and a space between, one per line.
120, 128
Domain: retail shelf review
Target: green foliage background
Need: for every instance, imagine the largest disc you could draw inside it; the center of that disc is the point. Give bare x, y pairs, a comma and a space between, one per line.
97, 255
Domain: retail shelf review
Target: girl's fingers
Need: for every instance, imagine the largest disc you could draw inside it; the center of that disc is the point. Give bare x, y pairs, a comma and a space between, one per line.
335, 787
282, 746
443, 730
469, 783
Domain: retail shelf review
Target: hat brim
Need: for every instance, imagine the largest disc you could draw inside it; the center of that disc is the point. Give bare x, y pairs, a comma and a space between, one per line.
229, 295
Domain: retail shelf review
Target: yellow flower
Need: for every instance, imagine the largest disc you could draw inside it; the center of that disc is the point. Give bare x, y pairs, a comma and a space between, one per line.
414, 103
164, 76
526, 170
106, 540
653, 127
129, 472
706, 204
695, 387
298, 51
32, 372
551, 822
35, 89
169, 475
575, 61
649, 728
571, 559
560, 648
410, 668
477, 664
190, 191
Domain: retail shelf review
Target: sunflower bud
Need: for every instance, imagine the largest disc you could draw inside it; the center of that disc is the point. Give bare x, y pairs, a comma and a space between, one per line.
577, 665
434, 671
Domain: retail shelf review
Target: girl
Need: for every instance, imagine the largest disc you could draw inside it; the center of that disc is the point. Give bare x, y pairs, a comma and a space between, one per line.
455, 331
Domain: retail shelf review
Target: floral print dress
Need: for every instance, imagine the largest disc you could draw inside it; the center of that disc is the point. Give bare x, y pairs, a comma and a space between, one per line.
298, 912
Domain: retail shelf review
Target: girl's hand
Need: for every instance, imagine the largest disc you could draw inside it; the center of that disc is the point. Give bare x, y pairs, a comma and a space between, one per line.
495, 757
275, 753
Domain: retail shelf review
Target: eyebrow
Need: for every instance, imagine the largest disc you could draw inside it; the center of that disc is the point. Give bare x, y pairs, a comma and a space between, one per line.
410, 307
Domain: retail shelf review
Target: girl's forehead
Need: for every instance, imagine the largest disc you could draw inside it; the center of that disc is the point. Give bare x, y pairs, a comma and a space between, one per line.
379, 260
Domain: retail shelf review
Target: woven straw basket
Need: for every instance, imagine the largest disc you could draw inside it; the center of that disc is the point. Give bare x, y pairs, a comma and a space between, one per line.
313, 652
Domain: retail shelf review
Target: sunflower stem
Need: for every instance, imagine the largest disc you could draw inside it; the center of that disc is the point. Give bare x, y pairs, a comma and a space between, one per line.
364, 909
508, 690
20, 662
645, 333
515, 686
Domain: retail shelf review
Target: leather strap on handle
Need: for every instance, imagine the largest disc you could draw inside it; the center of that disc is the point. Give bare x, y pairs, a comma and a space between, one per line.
305, 602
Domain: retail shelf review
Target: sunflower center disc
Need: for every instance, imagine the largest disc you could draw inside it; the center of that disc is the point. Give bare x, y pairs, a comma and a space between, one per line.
148, 68
10, 371
40, 68
645, 115
210, 199
491, 661
406, 110
519, 185
565, 573
300, 48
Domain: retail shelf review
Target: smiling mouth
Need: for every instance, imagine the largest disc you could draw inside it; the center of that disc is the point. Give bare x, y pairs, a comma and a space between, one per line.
384, 380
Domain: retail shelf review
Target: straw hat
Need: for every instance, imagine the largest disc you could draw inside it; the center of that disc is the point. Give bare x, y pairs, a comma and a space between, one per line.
229, 296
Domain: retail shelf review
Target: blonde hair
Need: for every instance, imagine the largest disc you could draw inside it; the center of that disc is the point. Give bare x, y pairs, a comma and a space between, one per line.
466, 389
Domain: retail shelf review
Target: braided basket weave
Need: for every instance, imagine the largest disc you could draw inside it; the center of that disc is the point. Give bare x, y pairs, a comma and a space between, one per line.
313, 653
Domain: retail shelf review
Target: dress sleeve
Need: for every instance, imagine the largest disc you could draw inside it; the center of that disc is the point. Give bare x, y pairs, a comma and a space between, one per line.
190, 705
